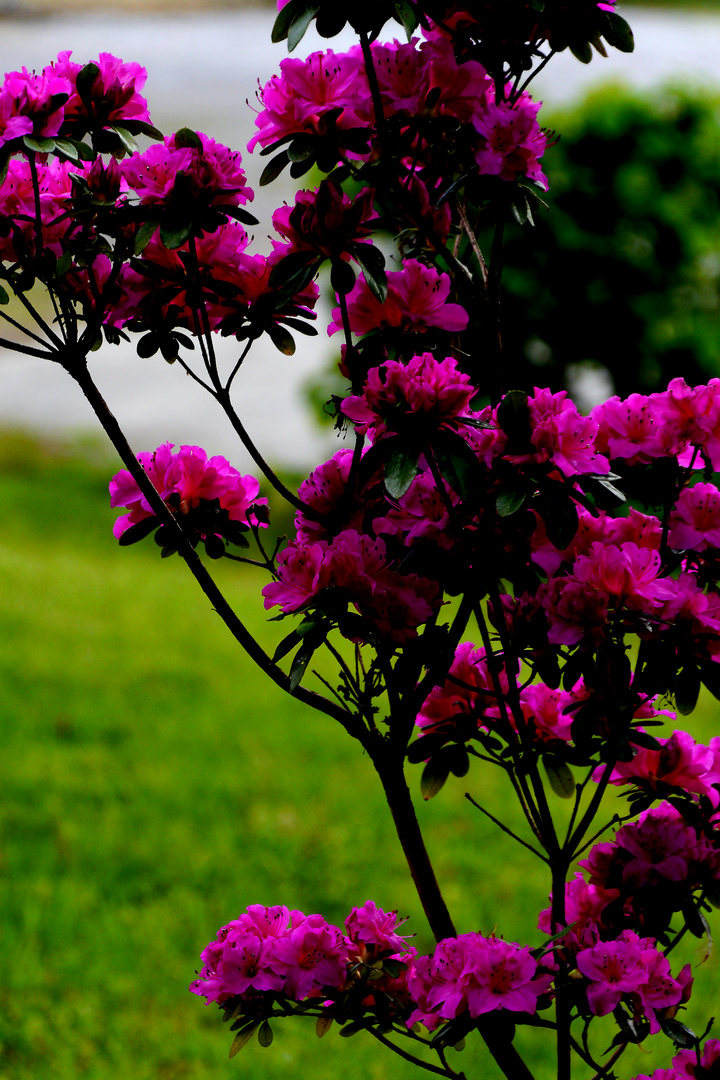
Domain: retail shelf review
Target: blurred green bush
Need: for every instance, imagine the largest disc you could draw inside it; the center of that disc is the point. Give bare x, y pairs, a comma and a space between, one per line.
622, 275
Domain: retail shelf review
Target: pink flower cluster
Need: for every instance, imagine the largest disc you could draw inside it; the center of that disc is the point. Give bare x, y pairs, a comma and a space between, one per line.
433, 391
352, 567
682, 421
629, 969
659, 847
210, 172
681, 763
416, 301
685, 1065
467, 692
504, 140
271, 949
475, 974
114, 95
184, 481
48, 104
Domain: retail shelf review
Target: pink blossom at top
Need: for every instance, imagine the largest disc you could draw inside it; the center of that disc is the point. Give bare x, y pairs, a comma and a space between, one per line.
681, 762
213, 172
436, 390
514, 141
416, 300
694, 522
32, 104
115, 93
306, 90
189, 476
476, 974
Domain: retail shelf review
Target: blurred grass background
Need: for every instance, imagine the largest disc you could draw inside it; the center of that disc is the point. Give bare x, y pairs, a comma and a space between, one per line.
154, 785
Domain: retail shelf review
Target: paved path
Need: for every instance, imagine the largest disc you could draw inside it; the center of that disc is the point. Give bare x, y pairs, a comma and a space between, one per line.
202, 69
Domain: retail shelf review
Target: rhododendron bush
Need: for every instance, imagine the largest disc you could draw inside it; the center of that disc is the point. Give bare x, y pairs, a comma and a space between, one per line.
496, 580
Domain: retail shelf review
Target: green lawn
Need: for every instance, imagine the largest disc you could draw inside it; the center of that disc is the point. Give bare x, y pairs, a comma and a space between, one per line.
153, 786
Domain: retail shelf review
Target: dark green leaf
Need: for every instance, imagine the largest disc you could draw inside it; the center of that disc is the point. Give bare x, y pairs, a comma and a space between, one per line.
352, 1029
434, 776
695, 920
148, 345
560, 776
618, 33
561, 521
68, 148
296, 9
323, 1025
281, 339
144, 235
265, 1035
406, 15
342, 276
509, 501
513, 416
242, 1038
4, 298
84, 83
187, 138
681, 1035
302, 147
642, 738
582, 51
372, 261
125, 138
710, 674
299, 25
400, 470
274, 167
138, 531
687, 689
173, 234
64, 263
294, 271
300, 662
141, 127
40, 146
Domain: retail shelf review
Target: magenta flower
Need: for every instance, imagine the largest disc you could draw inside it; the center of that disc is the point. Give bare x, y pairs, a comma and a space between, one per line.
213, 173
631, 429
420, 514
476, 974
114, 95
374, 932
514, 142
467, 691
306, 90
614, 968
681, 762
32, 104
435, 391
695, 520
416, 301
310, 957
357, 567
184, 480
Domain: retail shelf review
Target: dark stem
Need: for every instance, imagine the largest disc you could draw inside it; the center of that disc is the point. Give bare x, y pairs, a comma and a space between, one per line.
504, 828
411, 1057
397, 793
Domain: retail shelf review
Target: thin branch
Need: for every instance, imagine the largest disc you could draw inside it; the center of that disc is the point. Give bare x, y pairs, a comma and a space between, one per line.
411, 1057
505, 829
